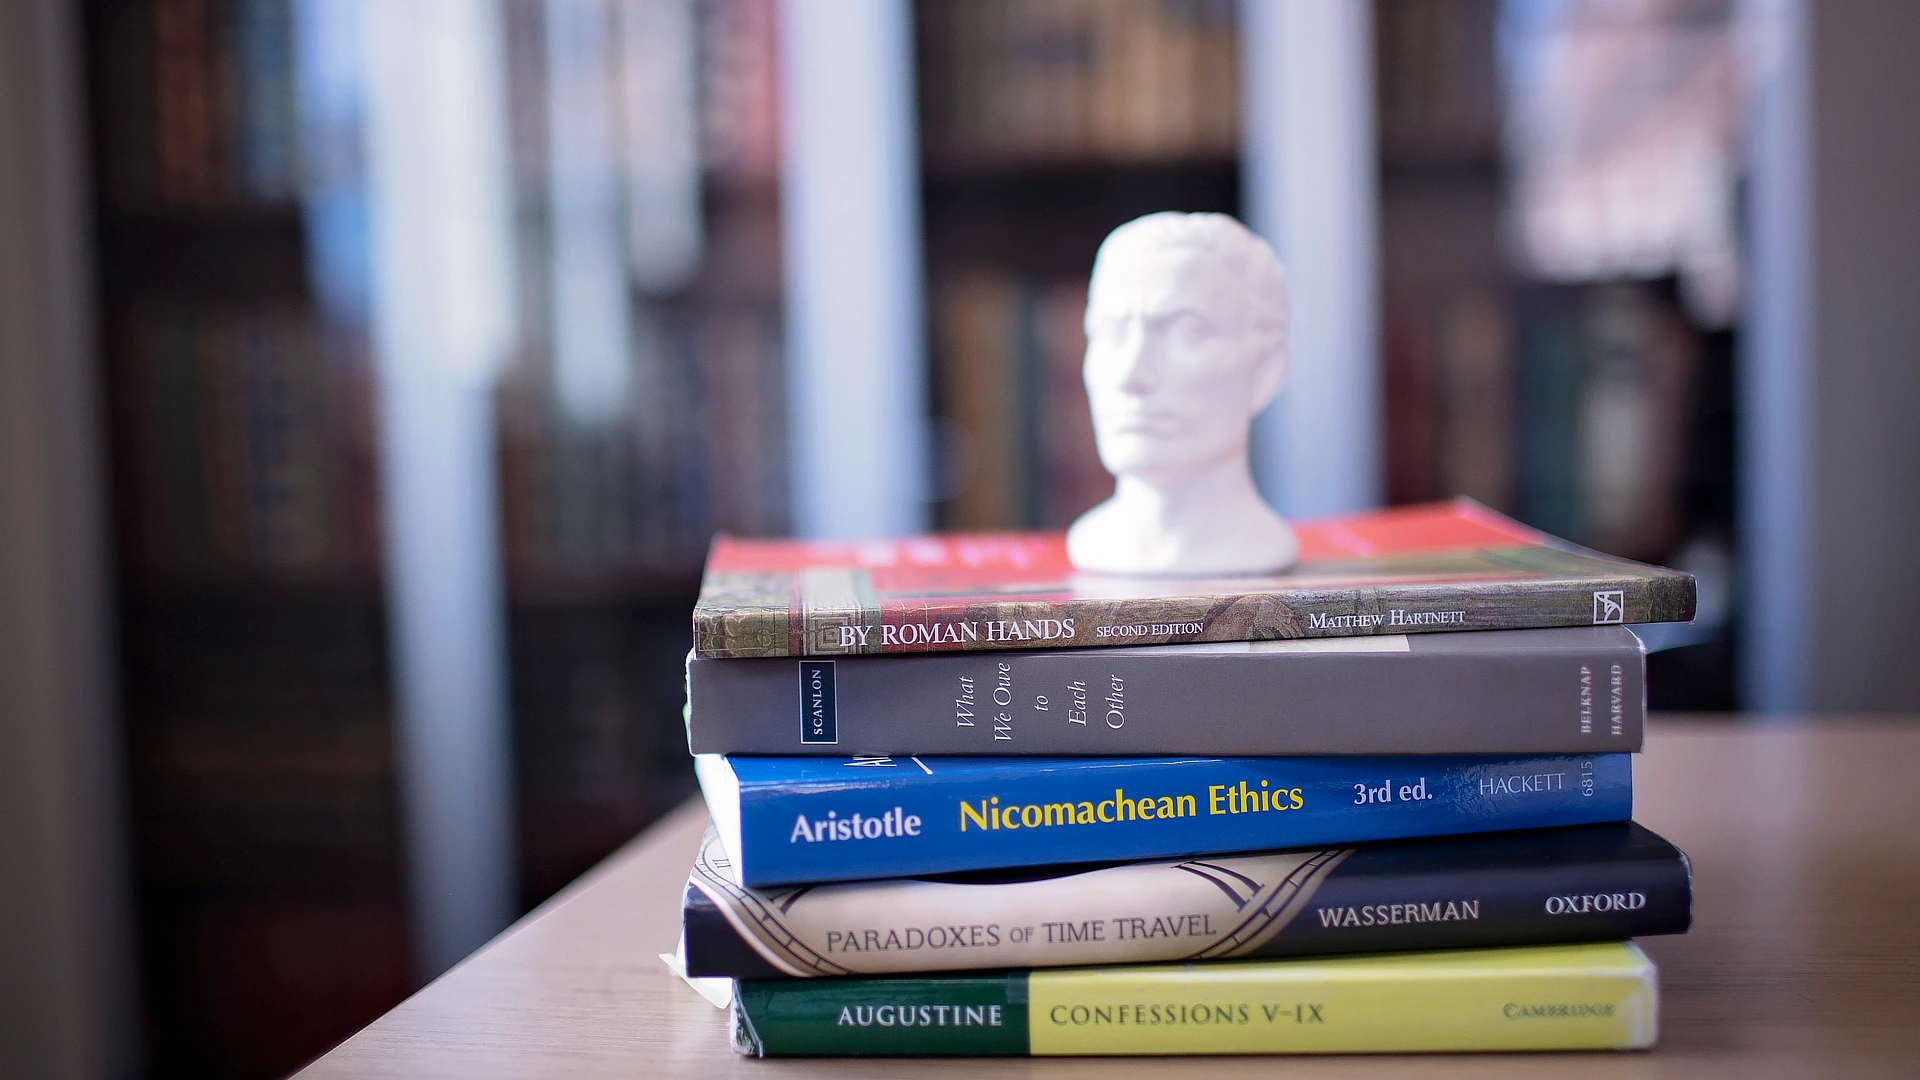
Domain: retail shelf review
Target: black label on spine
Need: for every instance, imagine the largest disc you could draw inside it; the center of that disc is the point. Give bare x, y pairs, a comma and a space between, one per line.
819, 723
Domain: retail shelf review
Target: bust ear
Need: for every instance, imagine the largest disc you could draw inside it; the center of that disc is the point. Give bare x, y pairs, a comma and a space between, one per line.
1271, 372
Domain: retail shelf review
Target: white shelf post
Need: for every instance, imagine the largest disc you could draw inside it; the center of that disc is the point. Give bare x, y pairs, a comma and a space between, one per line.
1310, 185
850, 222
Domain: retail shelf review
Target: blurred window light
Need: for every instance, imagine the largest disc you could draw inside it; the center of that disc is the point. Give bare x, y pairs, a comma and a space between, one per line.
438, 184
1311, 187
1622, 126
328, 81
851, 245
592, 343
440, 224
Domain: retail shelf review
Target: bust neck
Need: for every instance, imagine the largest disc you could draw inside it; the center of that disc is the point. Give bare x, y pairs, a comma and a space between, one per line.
1212, 522
1190, 509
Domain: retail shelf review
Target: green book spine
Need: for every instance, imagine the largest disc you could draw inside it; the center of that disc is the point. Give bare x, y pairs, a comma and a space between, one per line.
966, 1014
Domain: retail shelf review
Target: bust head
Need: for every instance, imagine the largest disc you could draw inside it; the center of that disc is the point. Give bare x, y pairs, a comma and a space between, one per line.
1186, 342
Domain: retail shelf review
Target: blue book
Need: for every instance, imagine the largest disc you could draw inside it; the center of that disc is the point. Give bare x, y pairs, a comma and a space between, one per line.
793, 820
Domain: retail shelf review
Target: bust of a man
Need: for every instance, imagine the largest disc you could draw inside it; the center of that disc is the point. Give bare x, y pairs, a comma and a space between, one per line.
1186, 342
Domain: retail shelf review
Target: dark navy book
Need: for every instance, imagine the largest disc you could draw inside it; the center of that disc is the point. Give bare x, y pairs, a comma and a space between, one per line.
1536, 887
797, 820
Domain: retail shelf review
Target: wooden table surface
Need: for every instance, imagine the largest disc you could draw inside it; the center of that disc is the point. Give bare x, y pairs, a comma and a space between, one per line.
1804, 959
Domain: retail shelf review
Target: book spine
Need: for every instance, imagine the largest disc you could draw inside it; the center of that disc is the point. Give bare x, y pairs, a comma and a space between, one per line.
1594, 883
738, 617
1591, 997
941, 815
978, 1015
975, 320
1075, 479
266, 151
184, 124
1391, 899
1570, 690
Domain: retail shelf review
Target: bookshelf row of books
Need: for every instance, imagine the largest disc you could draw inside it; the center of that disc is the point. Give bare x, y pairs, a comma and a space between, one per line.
1015, 436
1578, 408
1437, 93
246, 419
1286, 818
1038, 81
1565, 405
201, 100
245, 442
1592, 410
198, 103
1574, 407
1605, 391
701, 449
248, 449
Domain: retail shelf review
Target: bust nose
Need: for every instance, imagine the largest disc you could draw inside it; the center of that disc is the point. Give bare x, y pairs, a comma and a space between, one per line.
1134, 356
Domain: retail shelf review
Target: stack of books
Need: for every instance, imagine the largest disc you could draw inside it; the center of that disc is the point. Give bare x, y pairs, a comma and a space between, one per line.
968, 801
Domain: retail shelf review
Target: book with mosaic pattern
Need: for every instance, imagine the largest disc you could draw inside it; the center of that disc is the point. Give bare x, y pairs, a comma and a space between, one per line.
1421, 569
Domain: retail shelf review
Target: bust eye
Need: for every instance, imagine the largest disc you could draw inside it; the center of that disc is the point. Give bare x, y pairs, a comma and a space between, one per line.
1186, 328
1106, 328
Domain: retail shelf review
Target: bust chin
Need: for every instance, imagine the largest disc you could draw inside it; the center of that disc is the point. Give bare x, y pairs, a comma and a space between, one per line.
1186, 341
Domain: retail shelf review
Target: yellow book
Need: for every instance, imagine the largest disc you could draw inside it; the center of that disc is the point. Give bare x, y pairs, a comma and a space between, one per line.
1553, 997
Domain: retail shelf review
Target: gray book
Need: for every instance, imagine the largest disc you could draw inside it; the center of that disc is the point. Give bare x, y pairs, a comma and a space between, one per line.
1552, 691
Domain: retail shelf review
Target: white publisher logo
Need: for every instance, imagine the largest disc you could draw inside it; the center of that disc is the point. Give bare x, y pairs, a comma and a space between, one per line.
1609, 607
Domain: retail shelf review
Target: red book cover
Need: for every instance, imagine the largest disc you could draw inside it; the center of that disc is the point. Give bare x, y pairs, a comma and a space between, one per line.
1414, 569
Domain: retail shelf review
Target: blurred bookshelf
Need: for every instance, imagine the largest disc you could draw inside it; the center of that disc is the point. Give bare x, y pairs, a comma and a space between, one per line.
606, 523
244, 451
252, 629
1600, 411
1044, 124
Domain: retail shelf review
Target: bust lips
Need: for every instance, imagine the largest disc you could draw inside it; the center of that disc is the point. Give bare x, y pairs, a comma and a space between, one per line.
1152, 424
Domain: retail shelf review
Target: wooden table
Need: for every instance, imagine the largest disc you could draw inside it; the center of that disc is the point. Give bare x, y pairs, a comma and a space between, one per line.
1804, 959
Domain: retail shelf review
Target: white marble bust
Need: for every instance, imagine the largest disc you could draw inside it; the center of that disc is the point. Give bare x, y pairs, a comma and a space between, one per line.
1186, 342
